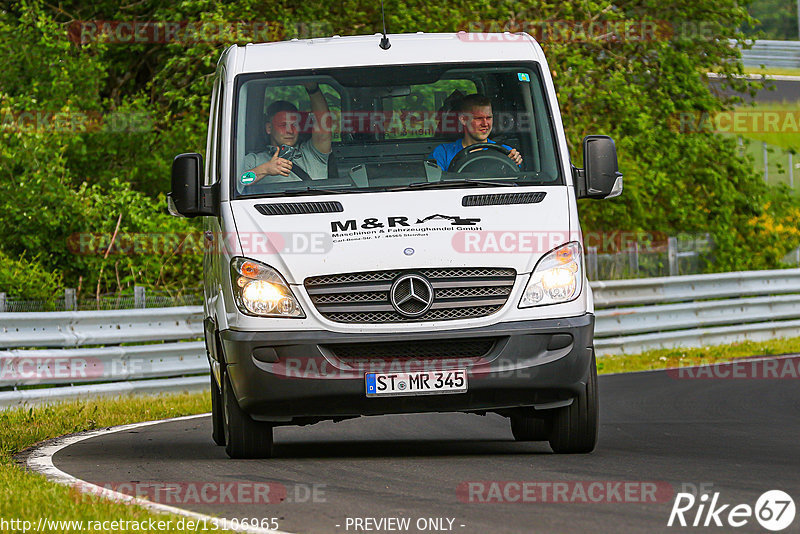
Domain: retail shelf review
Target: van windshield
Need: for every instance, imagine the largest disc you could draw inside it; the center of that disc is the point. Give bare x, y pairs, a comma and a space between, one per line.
364, 129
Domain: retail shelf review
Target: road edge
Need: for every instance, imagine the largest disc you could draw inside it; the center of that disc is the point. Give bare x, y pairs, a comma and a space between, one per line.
39, 459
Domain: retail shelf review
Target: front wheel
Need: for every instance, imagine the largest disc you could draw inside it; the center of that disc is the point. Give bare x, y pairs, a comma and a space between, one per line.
244, 437
575, 426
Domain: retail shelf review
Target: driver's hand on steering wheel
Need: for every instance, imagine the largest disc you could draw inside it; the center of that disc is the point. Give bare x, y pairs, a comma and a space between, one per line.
515, 156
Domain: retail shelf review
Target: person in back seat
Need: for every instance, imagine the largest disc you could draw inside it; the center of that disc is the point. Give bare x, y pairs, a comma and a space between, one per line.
475, 116
284, 160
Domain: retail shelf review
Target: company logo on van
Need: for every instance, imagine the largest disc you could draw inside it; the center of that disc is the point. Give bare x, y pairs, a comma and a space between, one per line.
373, 223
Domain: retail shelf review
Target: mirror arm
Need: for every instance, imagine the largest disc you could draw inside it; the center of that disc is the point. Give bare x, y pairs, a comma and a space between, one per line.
209, 199
579, 180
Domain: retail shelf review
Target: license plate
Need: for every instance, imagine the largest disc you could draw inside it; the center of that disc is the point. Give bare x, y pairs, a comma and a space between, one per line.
417, 383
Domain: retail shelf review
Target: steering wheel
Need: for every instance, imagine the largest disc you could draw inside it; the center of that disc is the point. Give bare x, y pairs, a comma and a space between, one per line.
486, 158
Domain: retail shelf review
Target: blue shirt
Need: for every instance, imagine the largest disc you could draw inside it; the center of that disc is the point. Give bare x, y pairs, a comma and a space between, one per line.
444, 153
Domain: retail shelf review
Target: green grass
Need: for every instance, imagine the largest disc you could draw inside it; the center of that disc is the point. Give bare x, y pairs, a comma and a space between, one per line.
777, 163
682, 357
778, 145
29, 496
786, 140
774, 71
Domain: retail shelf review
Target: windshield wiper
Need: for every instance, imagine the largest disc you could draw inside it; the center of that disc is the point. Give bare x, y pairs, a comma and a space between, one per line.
317, 191
455, 183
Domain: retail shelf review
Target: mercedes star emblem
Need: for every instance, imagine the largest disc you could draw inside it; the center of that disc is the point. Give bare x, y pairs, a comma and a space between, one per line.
411, 295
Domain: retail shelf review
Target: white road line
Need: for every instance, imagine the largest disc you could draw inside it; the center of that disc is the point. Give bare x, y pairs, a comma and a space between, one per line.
40, 460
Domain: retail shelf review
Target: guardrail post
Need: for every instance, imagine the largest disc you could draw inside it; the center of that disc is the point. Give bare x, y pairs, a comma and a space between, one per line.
633, 258
791, 165
138, 297
70, 300
766, 161
591, 262
2, 302
672, 255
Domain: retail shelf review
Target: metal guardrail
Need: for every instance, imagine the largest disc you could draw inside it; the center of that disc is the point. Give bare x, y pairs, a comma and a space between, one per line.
631, 316
784, 54
137, 350
697, 310
73, 329
614, 293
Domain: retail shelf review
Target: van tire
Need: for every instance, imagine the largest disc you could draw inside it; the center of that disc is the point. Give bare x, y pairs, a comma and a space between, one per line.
530, 428
244, 437
575, 426
217, 413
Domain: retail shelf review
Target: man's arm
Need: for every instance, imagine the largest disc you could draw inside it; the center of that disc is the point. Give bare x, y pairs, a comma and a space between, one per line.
440, 156
321, 134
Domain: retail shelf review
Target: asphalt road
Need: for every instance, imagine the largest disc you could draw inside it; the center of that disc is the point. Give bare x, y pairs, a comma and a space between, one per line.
778, 91
736, 437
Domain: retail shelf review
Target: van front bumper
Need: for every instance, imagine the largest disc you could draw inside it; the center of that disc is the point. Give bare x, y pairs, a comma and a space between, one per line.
310, 375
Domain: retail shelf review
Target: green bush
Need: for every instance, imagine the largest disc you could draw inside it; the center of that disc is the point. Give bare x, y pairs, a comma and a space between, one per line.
57, 183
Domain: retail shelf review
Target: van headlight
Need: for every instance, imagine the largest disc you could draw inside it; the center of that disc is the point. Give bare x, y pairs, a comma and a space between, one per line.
260, 290
557, 277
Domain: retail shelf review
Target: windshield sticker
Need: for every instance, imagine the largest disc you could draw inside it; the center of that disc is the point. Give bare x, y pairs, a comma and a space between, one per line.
248, 178
398, 226
523, 77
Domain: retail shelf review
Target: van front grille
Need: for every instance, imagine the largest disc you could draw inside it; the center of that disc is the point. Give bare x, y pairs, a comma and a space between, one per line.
458, 293
437, 349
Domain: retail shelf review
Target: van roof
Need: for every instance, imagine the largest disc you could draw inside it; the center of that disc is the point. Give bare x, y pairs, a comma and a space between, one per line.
363, 50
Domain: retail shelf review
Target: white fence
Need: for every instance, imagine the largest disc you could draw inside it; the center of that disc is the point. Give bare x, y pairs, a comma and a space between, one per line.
161, 351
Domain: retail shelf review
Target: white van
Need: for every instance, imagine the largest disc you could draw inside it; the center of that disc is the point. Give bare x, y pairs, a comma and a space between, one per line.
394, 229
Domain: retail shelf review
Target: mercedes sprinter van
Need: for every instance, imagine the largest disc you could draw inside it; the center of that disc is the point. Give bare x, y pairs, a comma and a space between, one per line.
394, 229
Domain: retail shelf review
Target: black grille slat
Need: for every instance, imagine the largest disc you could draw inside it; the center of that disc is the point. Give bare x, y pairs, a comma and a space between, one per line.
300, 208
471, 283
503, 199
432, 315
430, 274
468, 303
440, 350
473, 291
339, 298
341, 288
356, 307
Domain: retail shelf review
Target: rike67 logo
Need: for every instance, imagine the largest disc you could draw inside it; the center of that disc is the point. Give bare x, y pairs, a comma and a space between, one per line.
774, 510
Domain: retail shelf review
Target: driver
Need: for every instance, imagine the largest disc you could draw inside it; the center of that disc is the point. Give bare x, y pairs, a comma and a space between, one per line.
283, 160
475, 116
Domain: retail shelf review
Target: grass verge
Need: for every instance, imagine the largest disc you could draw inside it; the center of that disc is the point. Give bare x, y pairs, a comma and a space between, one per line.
27, 496
683, 357
772, 71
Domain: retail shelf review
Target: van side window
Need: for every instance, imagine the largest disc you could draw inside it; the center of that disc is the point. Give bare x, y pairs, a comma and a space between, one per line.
218, 140
213, 149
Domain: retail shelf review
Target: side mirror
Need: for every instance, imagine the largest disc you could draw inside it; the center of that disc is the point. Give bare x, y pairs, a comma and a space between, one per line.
600, 178
189, 197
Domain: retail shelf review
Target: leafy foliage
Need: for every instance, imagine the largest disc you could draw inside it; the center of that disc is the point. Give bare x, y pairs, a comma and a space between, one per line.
777, 19
144, 102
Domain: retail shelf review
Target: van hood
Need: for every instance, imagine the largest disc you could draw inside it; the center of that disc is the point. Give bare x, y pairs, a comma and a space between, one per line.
477, 227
